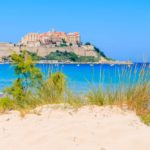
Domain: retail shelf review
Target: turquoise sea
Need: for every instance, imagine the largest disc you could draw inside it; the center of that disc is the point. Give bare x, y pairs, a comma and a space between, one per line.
80, 78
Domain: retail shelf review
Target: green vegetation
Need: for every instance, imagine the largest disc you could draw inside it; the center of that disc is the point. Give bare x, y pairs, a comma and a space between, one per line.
65, 56
87, 43
28, 81
34, 56
30, 90
69, 56
135, 97
96, 97
70, 44
74, 100
53, 89
87, 59
64, 43
62, 56
101, 53
6, 104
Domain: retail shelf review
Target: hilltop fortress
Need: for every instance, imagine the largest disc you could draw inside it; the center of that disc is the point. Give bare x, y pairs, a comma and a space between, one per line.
51, 41
51, 38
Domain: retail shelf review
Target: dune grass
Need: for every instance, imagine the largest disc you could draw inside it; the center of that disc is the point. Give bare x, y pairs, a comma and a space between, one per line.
74, 100
6, 104
133, 95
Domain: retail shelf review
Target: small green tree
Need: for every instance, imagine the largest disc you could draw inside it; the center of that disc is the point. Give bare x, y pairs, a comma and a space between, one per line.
87, 43
28, 76
64, 41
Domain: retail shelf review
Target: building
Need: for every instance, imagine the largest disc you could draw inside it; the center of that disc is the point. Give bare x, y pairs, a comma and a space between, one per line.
31, 37
74, 37
51, 38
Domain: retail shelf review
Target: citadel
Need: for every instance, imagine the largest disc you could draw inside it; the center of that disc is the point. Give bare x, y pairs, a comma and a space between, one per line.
44, 43
51, 39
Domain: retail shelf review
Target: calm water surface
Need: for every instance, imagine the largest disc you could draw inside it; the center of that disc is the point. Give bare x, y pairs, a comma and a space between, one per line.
81, 78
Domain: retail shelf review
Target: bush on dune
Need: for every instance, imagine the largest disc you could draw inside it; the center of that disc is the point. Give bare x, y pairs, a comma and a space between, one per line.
6, 104
52, 90
29, 90
135, 96
29, 79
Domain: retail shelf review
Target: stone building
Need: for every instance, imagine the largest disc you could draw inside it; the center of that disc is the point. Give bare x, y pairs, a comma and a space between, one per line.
30, 38
50, 38
74, 37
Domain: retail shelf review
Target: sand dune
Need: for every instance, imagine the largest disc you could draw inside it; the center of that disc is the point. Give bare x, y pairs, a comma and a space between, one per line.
96, 128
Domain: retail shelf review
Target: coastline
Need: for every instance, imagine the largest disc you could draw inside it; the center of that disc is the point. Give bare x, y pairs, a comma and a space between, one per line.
100, 62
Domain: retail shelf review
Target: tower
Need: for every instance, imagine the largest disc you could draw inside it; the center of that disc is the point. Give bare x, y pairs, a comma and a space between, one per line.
53, 30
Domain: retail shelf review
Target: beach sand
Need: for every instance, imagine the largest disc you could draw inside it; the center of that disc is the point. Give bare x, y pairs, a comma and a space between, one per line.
89, 128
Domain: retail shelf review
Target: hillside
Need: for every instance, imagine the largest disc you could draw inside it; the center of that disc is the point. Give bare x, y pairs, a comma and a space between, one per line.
64, 57
84, 53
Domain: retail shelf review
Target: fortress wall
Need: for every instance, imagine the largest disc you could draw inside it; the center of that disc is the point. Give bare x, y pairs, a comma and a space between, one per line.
78, 51
43, 51
5, 49
5, 53
2, 45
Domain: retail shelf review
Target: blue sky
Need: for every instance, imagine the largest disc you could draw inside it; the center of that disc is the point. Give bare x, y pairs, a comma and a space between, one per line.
121, 28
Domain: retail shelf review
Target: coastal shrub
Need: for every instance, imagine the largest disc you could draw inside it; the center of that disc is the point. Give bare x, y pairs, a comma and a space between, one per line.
62, 56
52, 90
87, 43
101, 53
146, 118
35, 57
131, 92
87, 59
138, 99
29, 90
29, 79
16, 91
69, 56
58, 80
21, 99
29, 75
6, 104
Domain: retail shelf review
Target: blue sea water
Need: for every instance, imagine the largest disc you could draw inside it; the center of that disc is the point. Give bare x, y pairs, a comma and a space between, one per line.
80, 78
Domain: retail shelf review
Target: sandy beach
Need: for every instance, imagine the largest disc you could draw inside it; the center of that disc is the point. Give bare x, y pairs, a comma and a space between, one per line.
90, 128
